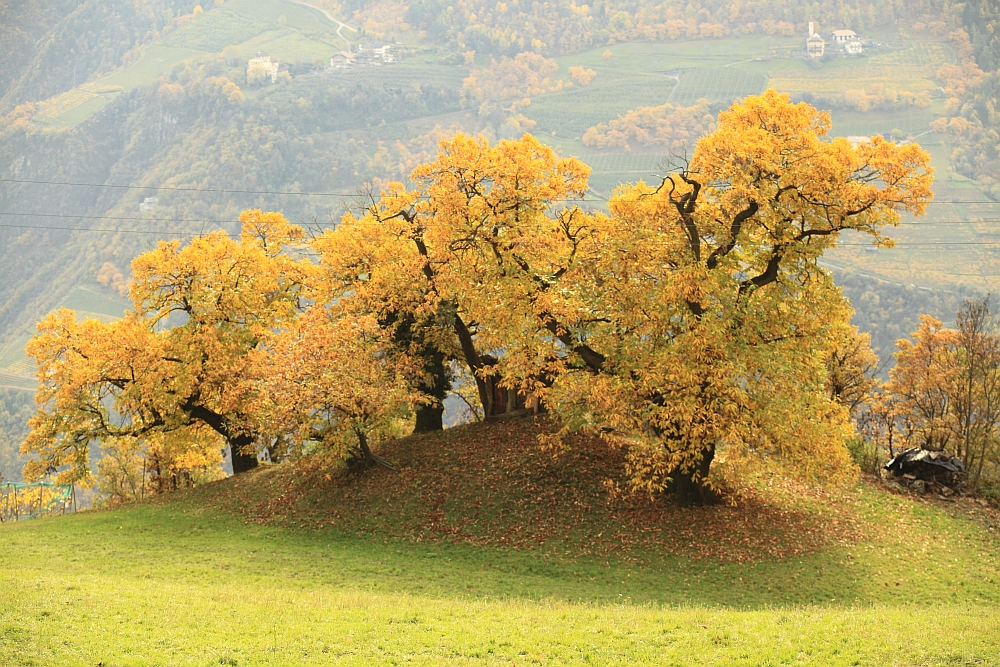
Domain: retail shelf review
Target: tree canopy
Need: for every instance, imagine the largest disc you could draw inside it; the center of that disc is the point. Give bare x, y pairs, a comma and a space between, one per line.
689, 319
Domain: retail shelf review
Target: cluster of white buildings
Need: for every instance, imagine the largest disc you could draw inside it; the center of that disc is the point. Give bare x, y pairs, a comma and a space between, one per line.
365, 55
846, 41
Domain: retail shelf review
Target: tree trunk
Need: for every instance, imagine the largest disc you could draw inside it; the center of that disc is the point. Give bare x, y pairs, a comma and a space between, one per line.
686, 490
366, 453
429, 418
241, 462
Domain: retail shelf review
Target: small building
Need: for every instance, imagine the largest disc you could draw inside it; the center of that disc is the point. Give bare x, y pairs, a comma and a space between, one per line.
149, 203
261, 66
841, 37
342, 60
815, 44
376, 54
848, 42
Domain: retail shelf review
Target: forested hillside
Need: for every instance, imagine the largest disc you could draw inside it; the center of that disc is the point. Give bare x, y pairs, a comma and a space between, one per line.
973, 117
148, 107
55, 46
16, 407
890, 311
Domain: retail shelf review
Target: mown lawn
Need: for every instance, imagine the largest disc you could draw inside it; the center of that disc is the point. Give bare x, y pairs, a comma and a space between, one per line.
191, 581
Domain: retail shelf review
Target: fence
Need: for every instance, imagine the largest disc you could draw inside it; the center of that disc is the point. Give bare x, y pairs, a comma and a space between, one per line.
30, 501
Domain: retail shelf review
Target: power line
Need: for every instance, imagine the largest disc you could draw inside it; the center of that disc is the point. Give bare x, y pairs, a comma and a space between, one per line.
112, 217
177, 188
322, 194
923, 223
898, 244
107, 231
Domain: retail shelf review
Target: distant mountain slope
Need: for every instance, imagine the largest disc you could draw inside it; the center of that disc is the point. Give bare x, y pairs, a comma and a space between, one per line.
565, 26
56, 46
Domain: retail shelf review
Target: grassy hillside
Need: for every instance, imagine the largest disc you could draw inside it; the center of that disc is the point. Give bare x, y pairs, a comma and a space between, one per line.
480, 549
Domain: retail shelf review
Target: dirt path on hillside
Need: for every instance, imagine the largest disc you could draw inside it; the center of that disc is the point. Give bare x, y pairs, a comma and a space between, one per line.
340, 24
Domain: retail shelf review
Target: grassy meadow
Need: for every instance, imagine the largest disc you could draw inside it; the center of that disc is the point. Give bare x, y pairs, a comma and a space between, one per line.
431, 564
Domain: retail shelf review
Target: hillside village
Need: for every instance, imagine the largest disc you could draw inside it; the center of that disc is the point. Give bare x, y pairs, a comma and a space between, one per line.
367, 54
263, 68
845, 42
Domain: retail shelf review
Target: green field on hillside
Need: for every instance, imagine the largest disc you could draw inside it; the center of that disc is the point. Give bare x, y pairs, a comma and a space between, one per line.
725, 70
283, 12
425, 566
283, 29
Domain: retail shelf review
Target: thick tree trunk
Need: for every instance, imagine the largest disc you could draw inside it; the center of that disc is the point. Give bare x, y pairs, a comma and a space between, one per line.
366, 453
242, 462
411, 336
429, 418
688, 491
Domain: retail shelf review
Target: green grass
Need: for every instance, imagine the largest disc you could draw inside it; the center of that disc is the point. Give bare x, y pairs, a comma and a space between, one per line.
149, 587
185, 582
155, 61
215, 30
284, 12
286, 45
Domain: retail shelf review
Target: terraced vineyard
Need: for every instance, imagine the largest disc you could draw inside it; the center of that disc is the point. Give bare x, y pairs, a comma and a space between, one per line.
717, 84
610, 170
612, 93
219, 27
16, 371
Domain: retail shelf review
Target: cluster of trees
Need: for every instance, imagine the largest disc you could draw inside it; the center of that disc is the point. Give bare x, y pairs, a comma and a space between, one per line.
890, 311
519, 78
943, 394
667, 125
878, 97
691, 320
972, 90
505, 87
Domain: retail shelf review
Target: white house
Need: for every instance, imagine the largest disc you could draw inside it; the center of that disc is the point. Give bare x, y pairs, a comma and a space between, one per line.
262, 63
841, 37
342, 60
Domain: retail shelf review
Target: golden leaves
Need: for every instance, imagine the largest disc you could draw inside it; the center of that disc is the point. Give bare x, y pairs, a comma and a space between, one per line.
692, 319
170, 369
331, 379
